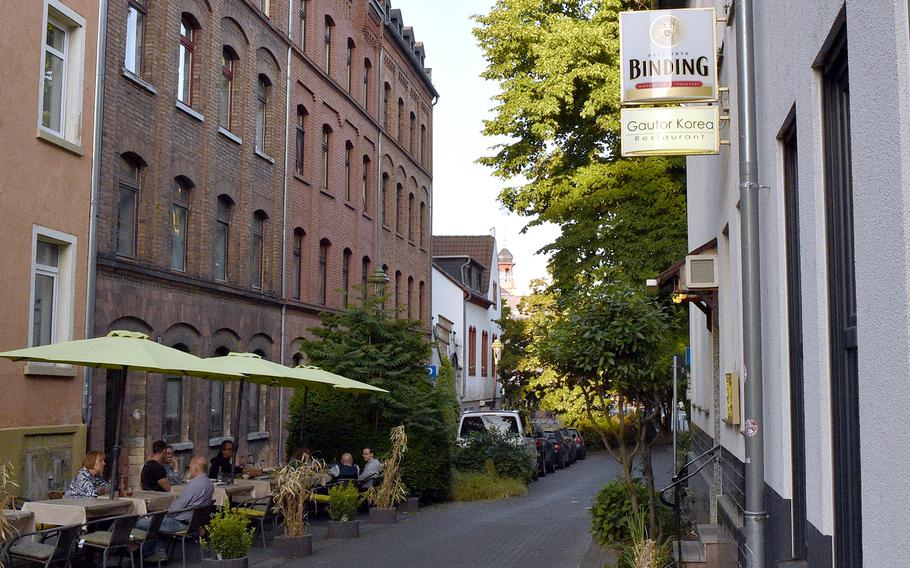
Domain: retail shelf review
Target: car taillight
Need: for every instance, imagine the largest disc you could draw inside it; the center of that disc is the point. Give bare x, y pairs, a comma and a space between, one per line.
556, 447
578, 440
539, 443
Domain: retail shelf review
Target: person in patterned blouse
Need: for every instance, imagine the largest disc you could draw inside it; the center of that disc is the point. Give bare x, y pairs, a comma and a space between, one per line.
89, 482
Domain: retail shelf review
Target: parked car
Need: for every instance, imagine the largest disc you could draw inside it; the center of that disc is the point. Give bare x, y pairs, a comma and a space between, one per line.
560, 450
570, 442
581, 451
546, 456
504, 422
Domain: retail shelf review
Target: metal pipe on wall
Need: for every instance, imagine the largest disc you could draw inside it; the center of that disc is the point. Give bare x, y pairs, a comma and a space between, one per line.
753, 427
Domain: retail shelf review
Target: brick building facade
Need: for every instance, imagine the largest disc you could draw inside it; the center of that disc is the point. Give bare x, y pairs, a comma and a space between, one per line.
247, 147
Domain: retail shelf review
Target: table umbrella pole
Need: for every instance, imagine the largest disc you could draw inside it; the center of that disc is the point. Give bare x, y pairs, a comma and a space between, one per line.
306, 394
237, 429
121, 396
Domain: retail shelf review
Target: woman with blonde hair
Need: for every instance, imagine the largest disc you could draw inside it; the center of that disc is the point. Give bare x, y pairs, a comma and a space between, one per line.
89, 482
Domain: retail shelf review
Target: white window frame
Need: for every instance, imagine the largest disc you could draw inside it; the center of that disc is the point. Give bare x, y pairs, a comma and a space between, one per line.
64, 284
73, 24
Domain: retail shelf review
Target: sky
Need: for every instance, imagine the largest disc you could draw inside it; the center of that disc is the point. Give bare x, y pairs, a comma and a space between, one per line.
464, 192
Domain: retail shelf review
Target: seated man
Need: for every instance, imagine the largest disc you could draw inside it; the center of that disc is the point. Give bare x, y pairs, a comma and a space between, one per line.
372, 469
198, 493
154, 476
346, 470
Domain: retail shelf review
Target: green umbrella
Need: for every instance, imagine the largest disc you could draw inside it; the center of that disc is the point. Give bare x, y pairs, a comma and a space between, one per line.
260, 371
123, 350
315, 373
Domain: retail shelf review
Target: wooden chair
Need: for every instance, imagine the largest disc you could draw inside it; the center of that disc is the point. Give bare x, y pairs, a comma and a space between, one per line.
193, 533
34, 548
116, 537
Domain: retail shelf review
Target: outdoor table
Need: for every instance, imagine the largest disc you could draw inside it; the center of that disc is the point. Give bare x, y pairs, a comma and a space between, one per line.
260, 487
222, 492
78, 511
147, 501
22, 521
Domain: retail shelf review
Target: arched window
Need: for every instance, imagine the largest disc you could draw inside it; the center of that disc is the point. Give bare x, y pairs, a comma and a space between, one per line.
386, 108
411, 217
401, 121
385, 295
222, 236
423, 145
302, 14
323, 274
384, 199
348, 148
297, 265
297, 359
346, 274
412, 134
364, 278
349, 65
180, 208
257, 248
365, 185
397, 299
423, 218
326, 140
398, 191
300, 146
127, 205
173, 404
410, 298
472, 351
421, 291
187, 48
367, 71
327, 37
226, 95
263, 90
484, 354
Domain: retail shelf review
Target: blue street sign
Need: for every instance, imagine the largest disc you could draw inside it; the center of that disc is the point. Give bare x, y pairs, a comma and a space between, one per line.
688, 356
432, 371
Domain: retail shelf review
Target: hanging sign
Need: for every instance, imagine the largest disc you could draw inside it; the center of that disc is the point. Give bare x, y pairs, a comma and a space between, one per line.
670, 131
668, 56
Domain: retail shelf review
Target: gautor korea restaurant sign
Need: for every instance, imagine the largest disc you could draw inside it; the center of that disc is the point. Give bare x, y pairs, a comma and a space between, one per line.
669, 56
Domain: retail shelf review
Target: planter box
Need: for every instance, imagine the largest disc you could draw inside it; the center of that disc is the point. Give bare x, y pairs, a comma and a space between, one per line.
409, 506
343, 529
379, 516
294, 546
230, 563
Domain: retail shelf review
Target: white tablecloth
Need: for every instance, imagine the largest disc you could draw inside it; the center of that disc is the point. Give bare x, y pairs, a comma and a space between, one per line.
78, 511
261, 487
222, 492
22, 521
147, 501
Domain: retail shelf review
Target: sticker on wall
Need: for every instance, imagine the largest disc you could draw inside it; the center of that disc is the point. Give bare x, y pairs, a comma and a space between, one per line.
750, 427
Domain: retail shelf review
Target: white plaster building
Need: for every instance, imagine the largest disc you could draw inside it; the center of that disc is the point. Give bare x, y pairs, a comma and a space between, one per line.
833, 120
466, 306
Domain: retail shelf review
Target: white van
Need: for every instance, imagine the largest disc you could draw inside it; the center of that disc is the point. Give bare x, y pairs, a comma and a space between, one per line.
502, 421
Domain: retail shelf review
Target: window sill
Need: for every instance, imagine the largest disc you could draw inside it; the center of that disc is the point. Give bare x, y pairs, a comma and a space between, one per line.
367, 216
62, 142
399, 235
264, 156
253, 436
36, 369
386, 228
139, 81
230, 135
183, 446
218, 440
423, 248
188, 110
323, 191
412, 243
350, 206
301, 179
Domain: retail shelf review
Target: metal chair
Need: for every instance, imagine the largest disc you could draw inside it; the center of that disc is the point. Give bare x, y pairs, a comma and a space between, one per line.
193, 532
151, 534
260, 511
34, 548
118, 536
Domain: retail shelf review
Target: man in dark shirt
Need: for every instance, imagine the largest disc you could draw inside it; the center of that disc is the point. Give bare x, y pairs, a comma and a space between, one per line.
154, 476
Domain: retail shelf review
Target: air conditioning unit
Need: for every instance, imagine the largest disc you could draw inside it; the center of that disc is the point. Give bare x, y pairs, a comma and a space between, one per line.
700, 272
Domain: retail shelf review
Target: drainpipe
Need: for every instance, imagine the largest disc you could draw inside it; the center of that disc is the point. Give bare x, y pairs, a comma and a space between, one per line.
380, 90
754, 513
91, 269
284, 241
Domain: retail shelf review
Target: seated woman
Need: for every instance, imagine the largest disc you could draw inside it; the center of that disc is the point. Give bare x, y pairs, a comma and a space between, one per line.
88, 482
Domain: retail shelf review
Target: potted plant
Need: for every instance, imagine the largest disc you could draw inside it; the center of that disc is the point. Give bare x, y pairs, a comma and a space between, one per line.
293, 487
343, 502
7, 530
391, 490
229, 537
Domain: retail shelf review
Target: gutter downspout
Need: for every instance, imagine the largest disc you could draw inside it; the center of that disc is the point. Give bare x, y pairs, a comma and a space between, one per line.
284, 232
380, 89
91, 263
754, 513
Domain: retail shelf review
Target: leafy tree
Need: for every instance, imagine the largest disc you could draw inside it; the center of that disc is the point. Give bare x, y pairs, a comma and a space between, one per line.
362, 343
557, 64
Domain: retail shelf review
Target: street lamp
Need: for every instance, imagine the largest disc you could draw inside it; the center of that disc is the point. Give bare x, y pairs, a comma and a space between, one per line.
379, 280
497, 353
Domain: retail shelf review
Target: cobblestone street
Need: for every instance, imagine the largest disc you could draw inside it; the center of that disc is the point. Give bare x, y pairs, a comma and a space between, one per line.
549, 527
